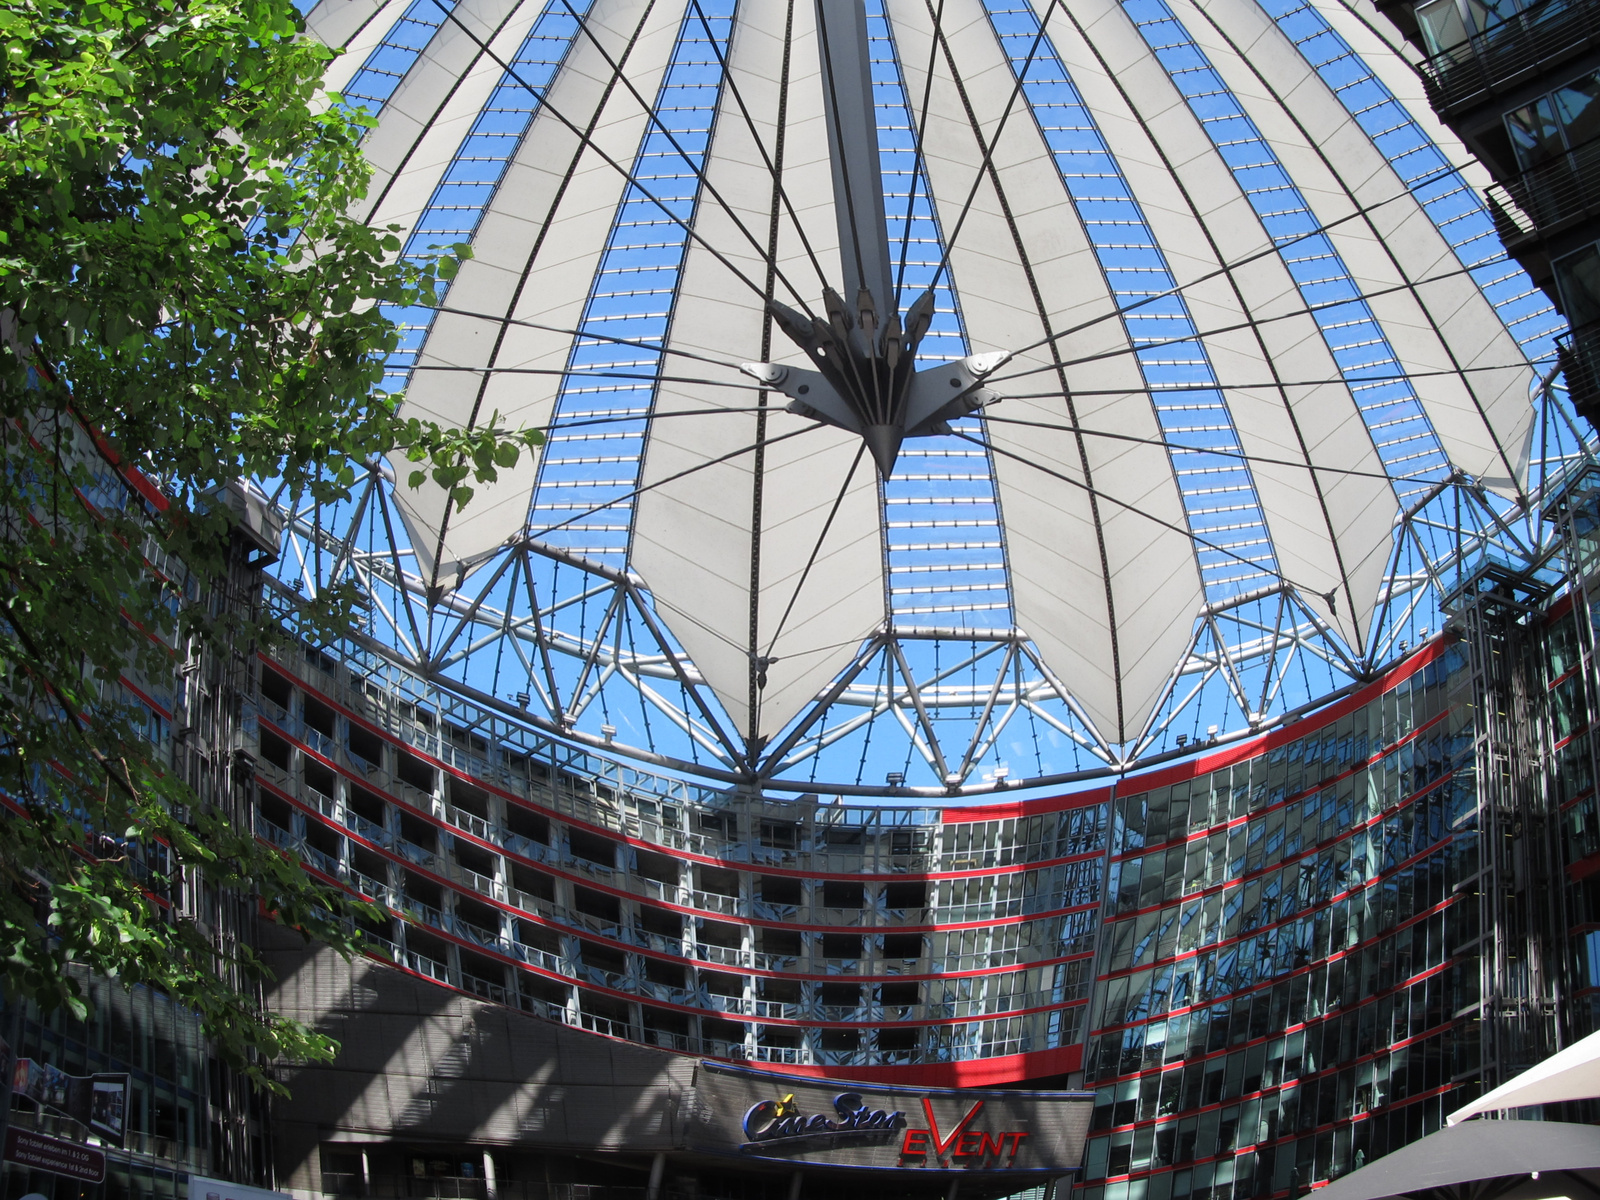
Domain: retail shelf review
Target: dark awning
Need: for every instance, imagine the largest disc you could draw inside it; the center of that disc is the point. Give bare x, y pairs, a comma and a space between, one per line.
1483, 1160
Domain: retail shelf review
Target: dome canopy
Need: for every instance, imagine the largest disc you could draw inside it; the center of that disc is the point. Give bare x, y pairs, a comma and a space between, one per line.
1036, 335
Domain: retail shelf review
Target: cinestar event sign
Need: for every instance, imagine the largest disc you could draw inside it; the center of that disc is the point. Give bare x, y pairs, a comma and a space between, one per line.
769, 1115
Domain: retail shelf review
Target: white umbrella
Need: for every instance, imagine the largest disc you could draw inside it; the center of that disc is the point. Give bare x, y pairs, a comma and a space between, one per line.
1572, 1074
1494, 1160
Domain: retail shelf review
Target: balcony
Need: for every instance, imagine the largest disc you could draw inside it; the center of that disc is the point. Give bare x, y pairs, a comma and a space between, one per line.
598, 1024
475, 825
483, 937
366, 885
725, 956
668, 1040
485, 989
714, 902
1510, 53
537, 958
547, 1009
1541, 200
368, 830
423, 965
321, 801
484, 885
659, 942
320, 859
275, 834
1580, 363
418, 854
790, 1055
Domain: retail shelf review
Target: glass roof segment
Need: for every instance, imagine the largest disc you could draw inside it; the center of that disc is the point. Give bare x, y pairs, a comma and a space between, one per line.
941, 519
388, 62
1455, 206
1232, 542
1401, 430
590, 464
456, 207
946, 694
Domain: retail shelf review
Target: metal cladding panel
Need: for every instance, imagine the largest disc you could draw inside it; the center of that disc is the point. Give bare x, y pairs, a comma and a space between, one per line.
765, 1115
421, 1060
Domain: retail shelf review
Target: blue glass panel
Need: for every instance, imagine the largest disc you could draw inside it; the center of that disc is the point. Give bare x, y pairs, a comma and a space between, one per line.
1401, 430
1218, 492
590, 466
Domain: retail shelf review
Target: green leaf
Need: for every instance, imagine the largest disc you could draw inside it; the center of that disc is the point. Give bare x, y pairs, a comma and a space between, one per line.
164, 167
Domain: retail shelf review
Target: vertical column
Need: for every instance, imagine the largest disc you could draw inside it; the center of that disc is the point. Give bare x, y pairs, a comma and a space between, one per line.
853, 148
341, 807
747, 933
569, 965
750, 1040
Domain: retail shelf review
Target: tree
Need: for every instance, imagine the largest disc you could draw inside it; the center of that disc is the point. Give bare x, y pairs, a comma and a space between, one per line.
181, 277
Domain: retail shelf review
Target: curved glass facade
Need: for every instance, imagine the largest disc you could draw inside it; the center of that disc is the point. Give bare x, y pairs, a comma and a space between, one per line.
957, 944
1265, 893
1291, 952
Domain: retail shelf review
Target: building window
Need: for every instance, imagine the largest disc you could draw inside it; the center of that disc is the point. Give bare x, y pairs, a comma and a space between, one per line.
1446, 24
1578, 278
1555, 123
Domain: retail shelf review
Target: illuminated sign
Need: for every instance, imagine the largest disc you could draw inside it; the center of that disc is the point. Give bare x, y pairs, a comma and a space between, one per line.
963, 1143
54, 1155
99, 1102
782, 1121
770, 1124
791, 1119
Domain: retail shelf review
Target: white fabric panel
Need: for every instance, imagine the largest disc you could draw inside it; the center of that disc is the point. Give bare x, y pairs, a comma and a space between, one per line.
432, 113
692, 540
434, 106
1390, 57
534, 259
1331, 531
354, 26
1570, 1074
1484, 421
1112, 640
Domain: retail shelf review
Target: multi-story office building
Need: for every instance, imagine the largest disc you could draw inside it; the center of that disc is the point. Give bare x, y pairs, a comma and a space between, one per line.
185, 1112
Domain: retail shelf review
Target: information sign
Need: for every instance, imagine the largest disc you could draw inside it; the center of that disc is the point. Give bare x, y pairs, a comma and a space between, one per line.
57, 1156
